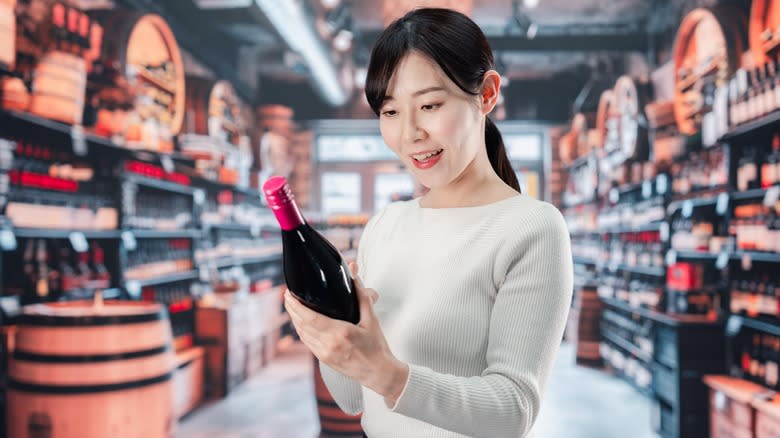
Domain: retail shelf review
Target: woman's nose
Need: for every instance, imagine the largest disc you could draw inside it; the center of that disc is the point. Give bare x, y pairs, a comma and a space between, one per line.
412, 132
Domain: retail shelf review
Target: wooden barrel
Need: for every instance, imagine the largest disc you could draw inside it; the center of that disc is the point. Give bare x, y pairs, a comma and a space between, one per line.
276, 118
213, 109
579, 126
85, 371
708, 48
58, 87
630, 99
7, 34
604, 115
333, 421
567, 148
14, 94
144, 50
589, 308
764, 29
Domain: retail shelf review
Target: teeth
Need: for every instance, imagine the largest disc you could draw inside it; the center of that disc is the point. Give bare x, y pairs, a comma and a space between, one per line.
423, 157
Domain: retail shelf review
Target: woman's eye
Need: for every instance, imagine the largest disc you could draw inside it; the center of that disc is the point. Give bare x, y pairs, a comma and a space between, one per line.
389, 113
431, 106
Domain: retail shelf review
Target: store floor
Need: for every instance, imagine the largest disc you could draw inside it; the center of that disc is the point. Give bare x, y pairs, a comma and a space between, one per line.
279, 403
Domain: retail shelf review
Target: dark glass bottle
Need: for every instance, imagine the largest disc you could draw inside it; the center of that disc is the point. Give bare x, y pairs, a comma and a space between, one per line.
313, 268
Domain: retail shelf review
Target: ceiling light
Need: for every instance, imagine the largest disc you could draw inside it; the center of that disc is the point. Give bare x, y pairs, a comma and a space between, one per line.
530, 4
330, 4
292, 24
343, 40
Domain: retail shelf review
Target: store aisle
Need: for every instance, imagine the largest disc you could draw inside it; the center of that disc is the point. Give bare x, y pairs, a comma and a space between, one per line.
580, 403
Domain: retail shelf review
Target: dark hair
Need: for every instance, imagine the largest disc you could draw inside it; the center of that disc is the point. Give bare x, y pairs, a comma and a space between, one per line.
460, 49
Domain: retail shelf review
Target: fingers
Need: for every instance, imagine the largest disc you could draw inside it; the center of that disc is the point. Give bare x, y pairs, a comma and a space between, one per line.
353, 267
303, 314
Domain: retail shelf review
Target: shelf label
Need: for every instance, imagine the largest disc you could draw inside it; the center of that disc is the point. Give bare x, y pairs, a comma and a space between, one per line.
10, 305
771, 197
671, 257
733, 326
133, 289
203, 273
664, 232
614, 196
647, 189
78, 140
687, 209
128, 239
723, 204
167, 163
200, 196
661, 184
255, 230
79, 241
7, 240
747, 262
722, 261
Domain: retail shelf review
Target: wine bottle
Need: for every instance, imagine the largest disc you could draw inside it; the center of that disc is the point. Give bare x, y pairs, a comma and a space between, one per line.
314, 270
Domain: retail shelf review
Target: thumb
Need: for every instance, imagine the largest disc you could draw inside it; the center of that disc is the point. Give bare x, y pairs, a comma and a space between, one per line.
369, 296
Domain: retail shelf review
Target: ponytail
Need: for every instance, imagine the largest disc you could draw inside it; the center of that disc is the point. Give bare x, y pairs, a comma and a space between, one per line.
497, 155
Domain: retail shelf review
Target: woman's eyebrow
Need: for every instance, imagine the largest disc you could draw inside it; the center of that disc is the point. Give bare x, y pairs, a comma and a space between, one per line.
419, 92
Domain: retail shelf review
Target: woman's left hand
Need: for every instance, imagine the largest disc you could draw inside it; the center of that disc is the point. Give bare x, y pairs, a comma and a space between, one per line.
360, 351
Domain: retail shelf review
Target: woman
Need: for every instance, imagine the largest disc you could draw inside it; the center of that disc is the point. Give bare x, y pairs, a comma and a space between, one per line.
475, 278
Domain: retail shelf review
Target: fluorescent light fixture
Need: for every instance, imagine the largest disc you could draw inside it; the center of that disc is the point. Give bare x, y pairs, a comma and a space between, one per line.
530, 4
290, 21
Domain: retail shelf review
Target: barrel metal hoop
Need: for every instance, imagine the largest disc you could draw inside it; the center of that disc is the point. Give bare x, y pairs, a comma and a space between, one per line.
86, 389
92, 320
53, 358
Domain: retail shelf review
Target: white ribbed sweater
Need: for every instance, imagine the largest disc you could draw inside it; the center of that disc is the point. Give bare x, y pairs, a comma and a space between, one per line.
475, 300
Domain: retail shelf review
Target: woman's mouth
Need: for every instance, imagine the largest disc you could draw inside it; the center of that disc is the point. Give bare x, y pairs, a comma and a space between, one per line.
426, 160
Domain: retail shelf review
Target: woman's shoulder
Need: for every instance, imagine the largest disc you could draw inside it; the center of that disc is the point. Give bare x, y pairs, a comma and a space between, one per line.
529, 215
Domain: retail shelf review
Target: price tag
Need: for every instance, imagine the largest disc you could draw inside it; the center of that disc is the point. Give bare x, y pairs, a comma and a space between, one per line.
722, 261
255, 230
203, 273
687, 209
647, 189
733, 326
723, 204
128, 239
671, 257
664, 232
78, 140
79, 241
614, 196
7, 240
747, 262
720, 401
771, 197
133, 289
661, 184
10, 305
200, 196
167, 163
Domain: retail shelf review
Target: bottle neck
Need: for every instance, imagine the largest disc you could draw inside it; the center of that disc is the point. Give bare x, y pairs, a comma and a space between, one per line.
288, 215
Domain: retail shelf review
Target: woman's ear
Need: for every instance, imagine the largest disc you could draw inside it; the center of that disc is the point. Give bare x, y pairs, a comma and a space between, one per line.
491, 86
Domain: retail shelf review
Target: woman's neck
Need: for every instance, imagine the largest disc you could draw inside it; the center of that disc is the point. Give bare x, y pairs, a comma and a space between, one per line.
477, 185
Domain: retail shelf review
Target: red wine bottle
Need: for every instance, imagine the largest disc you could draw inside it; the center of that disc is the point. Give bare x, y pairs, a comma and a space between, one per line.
314, 270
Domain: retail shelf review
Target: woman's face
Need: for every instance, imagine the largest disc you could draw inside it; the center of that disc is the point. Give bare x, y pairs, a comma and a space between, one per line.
434, 127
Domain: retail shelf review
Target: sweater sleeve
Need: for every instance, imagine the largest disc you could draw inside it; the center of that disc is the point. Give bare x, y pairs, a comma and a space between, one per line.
526, 327
346, 392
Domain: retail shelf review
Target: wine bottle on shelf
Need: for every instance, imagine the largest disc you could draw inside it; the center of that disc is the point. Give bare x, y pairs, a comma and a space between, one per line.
100, 276
313, 269
770, 168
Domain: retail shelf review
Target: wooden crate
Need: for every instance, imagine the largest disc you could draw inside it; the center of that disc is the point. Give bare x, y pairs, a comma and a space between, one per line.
767, 418
731, 412
231, 331
188, 380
